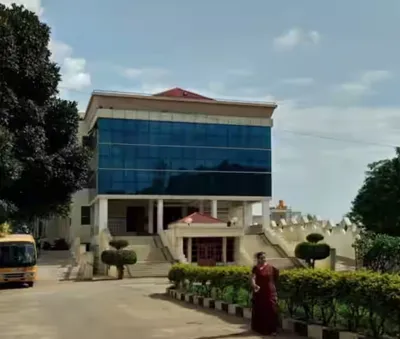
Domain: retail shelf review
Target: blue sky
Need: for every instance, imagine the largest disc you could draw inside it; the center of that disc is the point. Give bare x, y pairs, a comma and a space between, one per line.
331, 66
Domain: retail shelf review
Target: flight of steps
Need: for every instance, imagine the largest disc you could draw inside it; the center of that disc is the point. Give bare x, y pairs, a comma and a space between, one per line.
256, 241
153, 259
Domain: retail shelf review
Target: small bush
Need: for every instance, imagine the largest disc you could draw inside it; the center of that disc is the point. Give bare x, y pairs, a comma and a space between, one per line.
60, 245
314, 237
118, 244
358, 301
312, 250
46, 246
119, 259
379, 252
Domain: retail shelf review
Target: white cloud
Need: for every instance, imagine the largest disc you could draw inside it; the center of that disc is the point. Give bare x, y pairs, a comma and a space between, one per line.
32, 5
296, 37
298, 81
321, 153
73, 70
145, 74
364, 84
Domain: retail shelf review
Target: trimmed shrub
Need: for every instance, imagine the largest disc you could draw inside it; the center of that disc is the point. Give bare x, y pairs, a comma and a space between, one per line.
118, 244
314, 237
119, 259
312, 249
360, 301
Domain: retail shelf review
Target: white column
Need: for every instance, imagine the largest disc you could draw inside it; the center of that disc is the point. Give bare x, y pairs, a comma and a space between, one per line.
185, 211
247, 214
201, 206
92, 219
150, 217
224, 248
103, 213
214, 208
96, 218
189, 250
179, 247
160, 215
266, 213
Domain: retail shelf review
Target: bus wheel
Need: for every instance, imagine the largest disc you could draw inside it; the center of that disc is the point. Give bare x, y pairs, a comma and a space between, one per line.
30, 284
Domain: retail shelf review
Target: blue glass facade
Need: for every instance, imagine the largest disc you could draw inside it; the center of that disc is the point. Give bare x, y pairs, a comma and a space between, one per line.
180, 158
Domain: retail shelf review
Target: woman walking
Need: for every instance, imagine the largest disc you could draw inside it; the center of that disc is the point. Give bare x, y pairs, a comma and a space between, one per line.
265, 318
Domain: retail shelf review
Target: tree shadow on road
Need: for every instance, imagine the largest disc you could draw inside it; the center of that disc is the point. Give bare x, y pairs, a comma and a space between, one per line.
243, 334
223, 316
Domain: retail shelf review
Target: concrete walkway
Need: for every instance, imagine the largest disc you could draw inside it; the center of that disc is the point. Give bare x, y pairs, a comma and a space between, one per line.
53, 264
135, 308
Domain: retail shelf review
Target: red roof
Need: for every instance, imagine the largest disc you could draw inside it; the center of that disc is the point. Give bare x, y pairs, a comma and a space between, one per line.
198, 218
181, 93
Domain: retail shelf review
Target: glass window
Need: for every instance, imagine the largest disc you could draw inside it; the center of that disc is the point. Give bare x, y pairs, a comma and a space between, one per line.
85, 215
184, 158
183, 133
184, 183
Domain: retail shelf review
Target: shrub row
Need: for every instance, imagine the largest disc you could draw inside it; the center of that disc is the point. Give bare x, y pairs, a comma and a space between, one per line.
358, 301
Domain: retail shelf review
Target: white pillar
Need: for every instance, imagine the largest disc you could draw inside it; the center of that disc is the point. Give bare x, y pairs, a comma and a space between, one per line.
224, 248
92, 219
103, 213
179, 248
266, 213
96, 218
150, 217
201, 206
160, 215
214, 208
185, 211
247, 214
189, 250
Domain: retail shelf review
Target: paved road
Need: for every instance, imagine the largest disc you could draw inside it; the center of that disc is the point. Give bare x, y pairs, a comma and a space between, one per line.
131, 308
108, 309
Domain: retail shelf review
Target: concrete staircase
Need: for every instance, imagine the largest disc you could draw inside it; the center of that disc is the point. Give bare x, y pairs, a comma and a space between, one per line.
154, 260
256, 241
148, 270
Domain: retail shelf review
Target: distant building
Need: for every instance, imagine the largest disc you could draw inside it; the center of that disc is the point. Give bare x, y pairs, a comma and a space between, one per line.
281, 211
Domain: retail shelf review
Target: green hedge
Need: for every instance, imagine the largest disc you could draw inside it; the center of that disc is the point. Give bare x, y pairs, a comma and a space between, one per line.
356, 301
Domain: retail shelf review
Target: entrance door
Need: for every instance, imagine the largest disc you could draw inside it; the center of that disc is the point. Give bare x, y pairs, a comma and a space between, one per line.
135, 219
206, 255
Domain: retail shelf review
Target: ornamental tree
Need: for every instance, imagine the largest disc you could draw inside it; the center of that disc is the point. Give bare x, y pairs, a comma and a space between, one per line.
44, 163
119, 257
377, 202
312, 249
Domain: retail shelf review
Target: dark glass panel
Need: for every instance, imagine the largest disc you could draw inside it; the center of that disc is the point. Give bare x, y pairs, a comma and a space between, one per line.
184, 158
144, 132
183, 183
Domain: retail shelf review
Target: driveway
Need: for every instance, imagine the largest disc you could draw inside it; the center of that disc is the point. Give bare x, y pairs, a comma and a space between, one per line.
108, 309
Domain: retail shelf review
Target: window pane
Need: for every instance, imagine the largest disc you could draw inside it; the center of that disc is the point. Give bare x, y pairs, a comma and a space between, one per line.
184, 158
183, 133
184, 183
85, 215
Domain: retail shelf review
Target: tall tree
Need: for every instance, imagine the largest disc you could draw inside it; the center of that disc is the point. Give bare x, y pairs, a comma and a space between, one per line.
40, 129
377, 204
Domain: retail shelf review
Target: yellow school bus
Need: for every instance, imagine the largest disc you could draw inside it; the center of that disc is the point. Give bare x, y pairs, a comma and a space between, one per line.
18, 258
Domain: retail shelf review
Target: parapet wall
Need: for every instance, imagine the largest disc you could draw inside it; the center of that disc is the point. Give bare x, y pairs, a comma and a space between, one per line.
340, 236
